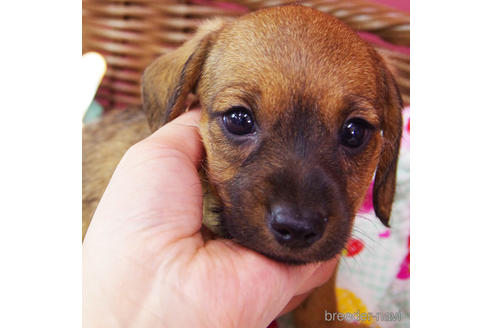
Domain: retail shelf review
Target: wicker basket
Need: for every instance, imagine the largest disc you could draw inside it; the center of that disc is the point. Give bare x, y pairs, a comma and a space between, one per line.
130, 34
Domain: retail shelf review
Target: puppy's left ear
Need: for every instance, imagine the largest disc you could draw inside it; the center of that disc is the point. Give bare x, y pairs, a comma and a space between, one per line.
167, 82
385, 181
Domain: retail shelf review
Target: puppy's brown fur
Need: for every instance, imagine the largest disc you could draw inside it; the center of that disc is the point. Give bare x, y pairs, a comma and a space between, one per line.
301, 74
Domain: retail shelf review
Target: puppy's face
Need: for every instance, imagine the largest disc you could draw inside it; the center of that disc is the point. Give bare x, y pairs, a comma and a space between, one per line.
298, 114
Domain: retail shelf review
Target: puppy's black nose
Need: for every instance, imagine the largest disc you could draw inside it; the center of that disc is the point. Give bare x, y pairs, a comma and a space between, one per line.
292, 229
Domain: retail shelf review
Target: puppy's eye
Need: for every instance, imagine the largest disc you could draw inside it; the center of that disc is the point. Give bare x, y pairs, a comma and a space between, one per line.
238, 121
354, 132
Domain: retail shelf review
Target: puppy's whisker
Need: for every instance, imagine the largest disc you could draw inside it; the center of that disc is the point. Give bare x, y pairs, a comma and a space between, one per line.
343, 259
354, 260
368, 219
365, 217
369, 246
363, 233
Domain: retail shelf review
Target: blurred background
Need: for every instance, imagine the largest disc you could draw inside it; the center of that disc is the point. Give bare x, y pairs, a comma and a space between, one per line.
129, 35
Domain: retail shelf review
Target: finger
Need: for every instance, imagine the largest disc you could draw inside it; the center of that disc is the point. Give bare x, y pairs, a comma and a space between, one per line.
182, 135
271, 285
294, 303
320, 276
299, 278
156, 185
303, 281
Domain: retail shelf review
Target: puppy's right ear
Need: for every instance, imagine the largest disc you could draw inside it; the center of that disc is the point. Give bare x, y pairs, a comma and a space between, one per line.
167, 82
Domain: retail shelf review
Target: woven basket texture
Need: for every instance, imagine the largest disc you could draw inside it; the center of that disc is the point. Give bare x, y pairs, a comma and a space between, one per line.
131, 34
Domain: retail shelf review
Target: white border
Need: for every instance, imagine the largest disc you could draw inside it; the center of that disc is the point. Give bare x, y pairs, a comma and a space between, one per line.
451, 164
40, 173
40, 165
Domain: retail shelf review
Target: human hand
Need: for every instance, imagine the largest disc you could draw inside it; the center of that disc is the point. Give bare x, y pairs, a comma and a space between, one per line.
145, 263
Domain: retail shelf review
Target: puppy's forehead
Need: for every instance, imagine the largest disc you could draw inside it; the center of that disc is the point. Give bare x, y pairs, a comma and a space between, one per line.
281, 51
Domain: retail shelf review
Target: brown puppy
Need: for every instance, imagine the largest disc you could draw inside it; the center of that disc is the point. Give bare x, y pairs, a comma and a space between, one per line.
298, 114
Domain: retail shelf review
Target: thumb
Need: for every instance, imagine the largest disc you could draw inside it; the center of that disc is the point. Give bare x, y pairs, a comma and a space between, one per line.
156, 184
180, 135
266, 286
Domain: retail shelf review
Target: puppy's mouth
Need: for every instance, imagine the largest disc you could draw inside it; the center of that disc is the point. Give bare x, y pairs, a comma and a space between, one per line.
282, 231
292, 259
262, 240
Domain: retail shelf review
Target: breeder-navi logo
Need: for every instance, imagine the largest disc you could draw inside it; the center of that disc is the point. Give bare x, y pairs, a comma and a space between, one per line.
362, 316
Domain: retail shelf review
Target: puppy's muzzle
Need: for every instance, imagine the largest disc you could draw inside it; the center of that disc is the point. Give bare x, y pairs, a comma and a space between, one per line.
294, 228
300, 204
